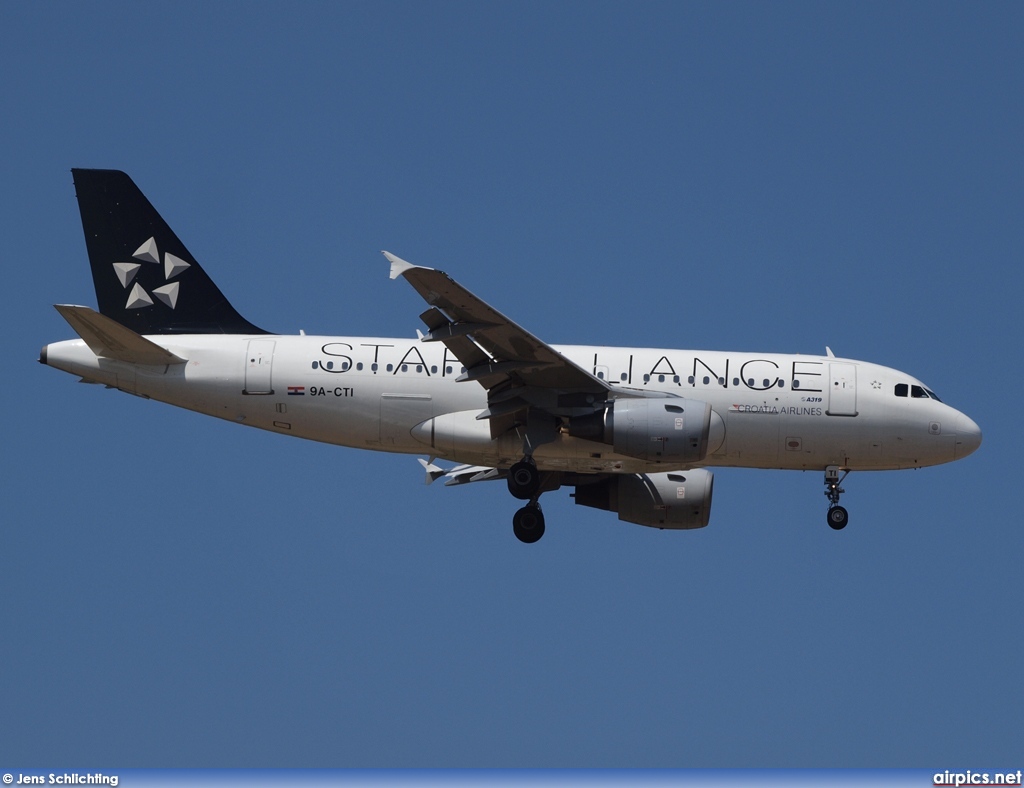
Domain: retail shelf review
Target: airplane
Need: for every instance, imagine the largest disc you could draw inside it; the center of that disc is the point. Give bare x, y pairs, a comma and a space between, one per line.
633, 430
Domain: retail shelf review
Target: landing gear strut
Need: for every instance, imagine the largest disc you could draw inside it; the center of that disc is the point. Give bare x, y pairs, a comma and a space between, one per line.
837, 515
526, 483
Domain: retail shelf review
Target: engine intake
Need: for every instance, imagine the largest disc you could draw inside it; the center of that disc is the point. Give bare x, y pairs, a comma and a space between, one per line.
657, 429
680, 500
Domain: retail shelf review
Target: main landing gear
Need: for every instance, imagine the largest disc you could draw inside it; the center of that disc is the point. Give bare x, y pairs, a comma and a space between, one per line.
837, 515
528, 523
524, 482
524, 479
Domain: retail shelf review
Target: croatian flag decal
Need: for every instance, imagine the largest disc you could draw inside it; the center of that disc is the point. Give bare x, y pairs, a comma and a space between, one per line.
296, 390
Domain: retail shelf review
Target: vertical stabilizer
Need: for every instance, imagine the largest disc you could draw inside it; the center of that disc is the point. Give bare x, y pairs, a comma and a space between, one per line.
145, 278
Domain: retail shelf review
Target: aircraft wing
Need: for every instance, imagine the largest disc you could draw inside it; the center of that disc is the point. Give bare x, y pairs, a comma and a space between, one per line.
518, 370
468, 325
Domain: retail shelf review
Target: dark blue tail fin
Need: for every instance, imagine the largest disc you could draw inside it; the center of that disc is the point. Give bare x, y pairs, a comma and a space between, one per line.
145, 278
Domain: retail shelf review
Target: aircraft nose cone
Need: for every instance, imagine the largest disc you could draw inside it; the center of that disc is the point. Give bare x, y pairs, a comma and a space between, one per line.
968, 437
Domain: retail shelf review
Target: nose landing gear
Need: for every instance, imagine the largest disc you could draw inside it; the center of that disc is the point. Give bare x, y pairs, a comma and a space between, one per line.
837, 515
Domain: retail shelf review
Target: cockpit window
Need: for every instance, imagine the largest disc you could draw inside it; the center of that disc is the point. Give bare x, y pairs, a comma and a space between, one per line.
917, 392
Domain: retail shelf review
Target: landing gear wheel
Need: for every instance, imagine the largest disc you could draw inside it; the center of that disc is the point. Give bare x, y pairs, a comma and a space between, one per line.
523, 480
528, 524
837, 518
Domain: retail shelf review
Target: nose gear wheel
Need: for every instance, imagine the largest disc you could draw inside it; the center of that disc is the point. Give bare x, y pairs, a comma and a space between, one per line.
837, 516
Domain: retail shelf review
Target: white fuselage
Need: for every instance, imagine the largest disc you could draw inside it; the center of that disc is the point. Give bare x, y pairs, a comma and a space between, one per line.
401, 395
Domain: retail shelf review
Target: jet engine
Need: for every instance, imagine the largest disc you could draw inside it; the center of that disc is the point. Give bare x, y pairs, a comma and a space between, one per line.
660, 500
658, 429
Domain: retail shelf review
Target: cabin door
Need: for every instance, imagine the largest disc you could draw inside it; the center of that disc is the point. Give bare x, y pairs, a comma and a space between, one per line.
259, 359
842, 390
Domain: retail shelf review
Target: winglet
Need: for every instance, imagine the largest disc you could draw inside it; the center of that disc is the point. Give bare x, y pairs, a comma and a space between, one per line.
398, 265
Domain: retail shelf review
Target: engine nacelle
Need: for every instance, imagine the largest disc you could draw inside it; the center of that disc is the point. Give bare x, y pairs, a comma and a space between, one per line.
679, 499
657, 429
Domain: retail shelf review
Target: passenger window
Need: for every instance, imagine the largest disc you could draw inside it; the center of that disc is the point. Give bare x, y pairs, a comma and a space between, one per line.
901, 389
706, 380
918, 393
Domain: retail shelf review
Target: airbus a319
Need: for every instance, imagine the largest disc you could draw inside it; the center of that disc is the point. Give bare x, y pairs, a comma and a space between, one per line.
634, 431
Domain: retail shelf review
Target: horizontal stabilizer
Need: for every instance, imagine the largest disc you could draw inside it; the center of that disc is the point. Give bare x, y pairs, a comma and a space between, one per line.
109, 339
433, 472
460, 474
464, 474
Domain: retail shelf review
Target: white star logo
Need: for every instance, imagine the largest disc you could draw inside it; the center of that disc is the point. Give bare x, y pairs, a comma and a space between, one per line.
167, 294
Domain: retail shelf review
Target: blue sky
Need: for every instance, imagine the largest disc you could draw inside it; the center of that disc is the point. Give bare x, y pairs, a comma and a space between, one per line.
180, 591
